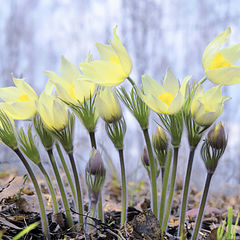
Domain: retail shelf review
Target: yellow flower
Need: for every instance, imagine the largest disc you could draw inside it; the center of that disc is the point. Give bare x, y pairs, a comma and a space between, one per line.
167, 98
108, 106
206, 107
219, 64
52, 110
19, 100
70, 87
115, 64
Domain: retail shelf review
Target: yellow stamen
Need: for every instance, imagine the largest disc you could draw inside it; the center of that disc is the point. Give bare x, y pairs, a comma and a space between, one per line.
219, 61
114, 59
71, 88
166, 98
24, 97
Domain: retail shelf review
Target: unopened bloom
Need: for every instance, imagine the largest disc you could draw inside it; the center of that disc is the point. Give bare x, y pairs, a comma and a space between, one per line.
69, 86
52, 110
217, 137
214, 147
115, 64
220, 64
19, 100
167, 98
145, 158
207, 106
108, 106
160, 139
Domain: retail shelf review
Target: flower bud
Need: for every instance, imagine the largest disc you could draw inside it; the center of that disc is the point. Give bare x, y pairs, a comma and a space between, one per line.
95, 173
145, 158
217, 137
108, 106
160, 139
95, 164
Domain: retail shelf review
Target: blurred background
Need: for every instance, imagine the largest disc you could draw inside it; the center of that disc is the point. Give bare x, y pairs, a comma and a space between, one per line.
156, 33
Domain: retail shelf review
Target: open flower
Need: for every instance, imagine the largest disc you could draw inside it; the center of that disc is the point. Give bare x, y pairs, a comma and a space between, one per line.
19, 100
219, 64
207, 106
115, 64
167, 98
52, 110
108, 106
70, 87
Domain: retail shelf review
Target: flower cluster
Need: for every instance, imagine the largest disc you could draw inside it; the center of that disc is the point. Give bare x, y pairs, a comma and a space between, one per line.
91, 92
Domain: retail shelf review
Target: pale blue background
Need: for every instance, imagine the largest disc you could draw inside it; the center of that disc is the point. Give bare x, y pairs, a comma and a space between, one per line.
156, 33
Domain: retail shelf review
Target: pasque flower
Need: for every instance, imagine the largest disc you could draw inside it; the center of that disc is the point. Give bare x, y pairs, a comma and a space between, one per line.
115, 64
220, 64
19, 100
52, 110
69, 86
108, 106
207, 106
167, 98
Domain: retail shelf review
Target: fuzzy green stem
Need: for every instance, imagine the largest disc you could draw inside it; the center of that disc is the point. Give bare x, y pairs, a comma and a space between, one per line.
162, 173
124, 188
100, 205
185, 190
50, 186
78, 187
92, 214
164, 187
202, 206
69, 178
37, 189
170, 197
153, 172
61, 187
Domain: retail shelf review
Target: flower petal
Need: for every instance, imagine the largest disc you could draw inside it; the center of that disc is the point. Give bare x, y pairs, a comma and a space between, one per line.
184, 85
122, 53
213, 47
150, 86
25, 88
176, 104
170, 83
23, 110
105, 51
69, 71
225, 75
232, 53
10, 94
105, 73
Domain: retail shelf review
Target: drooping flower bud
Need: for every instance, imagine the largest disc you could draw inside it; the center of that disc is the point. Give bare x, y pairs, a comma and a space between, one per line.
217, 137
145, 158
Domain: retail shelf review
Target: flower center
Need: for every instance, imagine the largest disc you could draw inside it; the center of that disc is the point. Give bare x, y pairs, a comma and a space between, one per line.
166, 98
219, 61
114, 59
71, 89
24, 97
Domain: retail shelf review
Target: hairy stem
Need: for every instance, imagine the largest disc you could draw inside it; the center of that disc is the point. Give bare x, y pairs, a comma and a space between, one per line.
78, 187
202, 206
185, 190
50, 186
61, 187
69, 178
124, 188
37, 189
152, 171
171, 192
